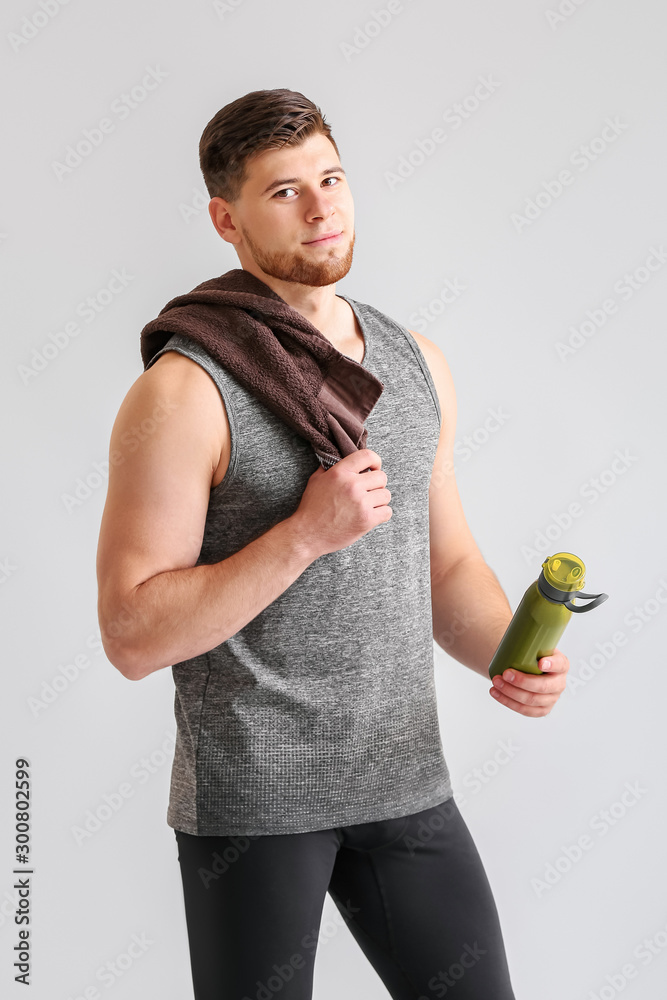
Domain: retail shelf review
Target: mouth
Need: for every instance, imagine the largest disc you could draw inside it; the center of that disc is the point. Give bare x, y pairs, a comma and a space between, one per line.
322, 240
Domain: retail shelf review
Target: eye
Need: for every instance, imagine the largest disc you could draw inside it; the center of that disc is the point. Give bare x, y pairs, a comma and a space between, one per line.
282, 190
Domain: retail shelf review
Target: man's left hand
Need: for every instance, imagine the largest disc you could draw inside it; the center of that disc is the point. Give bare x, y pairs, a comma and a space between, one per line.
532, 694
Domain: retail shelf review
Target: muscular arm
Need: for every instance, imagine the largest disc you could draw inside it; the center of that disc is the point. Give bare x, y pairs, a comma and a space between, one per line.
470, 609
155, 607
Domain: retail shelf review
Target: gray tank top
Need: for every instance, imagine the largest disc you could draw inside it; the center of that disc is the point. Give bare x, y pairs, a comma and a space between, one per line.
321, 711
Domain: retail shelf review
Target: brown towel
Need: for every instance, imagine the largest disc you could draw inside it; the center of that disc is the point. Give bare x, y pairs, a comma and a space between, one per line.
278, 355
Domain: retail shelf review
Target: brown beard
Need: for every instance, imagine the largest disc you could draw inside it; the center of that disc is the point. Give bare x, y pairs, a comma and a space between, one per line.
299, 267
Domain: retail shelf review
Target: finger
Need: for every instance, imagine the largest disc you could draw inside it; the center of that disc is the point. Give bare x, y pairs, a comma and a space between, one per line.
538, 698
540, 684
530, 711
556, 663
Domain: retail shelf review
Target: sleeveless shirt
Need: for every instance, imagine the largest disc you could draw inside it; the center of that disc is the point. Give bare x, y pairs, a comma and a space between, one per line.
321, 712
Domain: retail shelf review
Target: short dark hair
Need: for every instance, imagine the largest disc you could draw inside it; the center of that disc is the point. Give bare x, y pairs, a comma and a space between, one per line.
262, 119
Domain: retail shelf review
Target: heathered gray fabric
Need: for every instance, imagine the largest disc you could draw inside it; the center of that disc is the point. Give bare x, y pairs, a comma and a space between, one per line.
322, 711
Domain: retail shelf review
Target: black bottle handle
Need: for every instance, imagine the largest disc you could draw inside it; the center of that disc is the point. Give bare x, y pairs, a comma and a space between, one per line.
599, 598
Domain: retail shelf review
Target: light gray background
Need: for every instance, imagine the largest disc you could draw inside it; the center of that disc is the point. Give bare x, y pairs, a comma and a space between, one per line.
125, 207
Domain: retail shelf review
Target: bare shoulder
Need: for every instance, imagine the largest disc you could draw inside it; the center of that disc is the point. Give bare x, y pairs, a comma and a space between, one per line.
177, 376
176, 371
173, 384
441, 375
431, 351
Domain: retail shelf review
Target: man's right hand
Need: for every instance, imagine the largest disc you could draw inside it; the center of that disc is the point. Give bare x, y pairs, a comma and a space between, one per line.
344, 502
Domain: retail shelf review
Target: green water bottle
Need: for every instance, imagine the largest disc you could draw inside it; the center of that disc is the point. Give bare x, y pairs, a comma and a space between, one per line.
541, 617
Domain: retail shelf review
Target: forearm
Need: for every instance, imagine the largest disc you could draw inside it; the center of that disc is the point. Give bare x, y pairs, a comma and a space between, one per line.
470, 613
182, 613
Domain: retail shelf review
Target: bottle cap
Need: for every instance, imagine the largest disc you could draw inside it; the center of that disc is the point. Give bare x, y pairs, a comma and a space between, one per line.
562, 580
564, 571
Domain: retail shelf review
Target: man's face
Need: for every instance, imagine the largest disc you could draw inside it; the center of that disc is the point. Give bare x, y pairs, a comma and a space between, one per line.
291, 197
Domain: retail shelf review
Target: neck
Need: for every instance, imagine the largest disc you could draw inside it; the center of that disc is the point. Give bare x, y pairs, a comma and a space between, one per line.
319, 304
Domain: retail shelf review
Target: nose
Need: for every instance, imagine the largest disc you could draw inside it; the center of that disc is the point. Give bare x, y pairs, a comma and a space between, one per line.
319, 206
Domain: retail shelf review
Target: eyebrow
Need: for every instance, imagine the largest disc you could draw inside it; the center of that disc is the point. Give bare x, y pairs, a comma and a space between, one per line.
297, 180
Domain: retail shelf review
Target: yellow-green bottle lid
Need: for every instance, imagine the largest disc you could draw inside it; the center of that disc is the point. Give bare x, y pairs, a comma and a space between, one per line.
564, 571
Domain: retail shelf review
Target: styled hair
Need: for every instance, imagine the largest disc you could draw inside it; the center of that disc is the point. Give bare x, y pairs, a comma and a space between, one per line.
262, 119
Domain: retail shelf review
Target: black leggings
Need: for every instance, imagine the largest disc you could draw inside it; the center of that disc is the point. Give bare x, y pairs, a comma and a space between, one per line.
412, 891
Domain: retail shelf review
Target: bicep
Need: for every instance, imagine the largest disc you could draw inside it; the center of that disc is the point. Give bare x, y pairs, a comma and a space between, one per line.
162, 454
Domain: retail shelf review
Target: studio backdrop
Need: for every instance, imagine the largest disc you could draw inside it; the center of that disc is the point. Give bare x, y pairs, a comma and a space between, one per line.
507, 162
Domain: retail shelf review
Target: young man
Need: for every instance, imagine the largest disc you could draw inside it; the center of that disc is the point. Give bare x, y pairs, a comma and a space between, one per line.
298, 609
